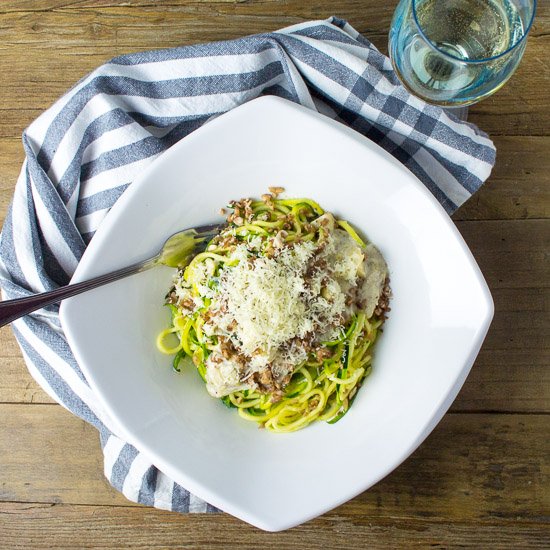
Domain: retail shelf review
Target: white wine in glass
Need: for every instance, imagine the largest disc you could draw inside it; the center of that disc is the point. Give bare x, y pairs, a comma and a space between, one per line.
456, 52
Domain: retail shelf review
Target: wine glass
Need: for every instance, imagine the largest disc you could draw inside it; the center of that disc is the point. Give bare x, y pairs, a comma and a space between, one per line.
453, 53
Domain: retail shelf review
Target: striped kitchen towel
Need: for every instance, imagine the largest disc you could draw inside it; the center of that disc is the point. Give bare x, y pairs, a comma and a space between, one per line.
84, 151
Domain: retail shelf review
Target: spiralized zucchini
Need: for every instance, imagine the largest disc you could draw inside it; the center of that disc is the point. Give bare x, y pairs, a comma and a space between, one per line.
322, 387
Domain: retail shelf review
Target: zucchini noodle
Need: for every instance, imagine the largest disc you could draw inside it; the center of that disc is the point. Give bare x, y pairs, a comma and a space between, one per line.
323, 382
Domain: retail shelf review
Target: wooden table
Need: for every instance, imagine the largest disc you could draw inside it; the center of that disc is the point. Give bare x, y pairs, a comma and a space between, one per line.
480, 480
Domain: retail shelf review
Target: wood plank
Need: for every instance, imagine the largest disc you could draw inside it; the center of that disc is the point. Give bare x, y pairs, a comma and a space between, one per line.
511, 254
518, 188
81, 37
16, 384
11, 160
472, 467
513, 364
32, 5
28, 526
48, 455
14, 120
373, 15
517, 109
511, 373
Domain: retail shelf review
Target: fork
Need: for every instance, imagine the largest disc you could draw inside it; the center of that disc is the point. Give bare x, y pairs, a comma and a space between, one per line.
177, 251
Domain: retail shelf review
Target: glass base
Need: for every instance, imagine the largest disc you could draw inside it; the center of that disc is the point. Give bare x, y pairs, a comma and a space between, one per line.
459, 112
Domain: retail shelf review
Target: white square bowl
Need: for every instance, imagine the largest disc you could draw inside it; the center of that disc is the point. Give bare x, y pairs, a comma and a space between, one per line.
441, 311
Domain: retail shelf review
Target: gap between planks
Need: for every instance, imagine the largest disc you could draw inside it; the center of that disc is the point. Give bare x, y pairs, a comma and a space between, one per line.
85, 527
472, 466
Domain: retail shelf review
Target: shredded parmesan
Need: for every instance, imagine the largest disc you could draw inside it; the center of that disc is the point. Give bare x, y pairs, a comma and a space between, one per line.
265, 307
273, 301
268, 299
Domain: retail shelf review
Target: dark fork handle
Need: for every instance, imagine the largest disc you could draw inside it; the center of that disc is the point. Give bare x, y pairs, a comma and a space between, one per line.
10, 310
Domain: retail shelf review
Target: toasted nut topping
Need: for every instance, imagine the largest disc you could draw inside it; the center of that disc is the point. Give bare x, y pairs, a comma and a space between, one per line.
276, 190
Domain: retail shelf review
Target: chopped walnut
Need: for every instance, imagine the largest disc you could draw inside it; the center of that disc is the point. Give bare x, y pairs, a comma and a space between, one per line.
248, 212
188, 304
227, 348
383, 306
276, 191
267, 198
322, 354
264, 380
171, 297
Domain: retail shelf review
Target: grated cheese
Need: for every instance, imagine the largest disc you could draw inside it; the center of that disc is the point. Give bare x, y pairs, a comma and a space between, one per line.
267, 306
270, 302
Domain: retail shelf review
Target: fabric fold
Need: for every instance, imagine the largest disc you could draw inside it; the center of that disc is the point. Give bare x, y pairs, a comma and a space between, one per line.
85, 150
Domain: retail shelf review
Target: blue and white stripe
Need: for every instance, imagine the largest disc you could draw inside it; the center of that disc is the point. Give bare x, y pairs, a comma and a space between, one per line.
83, 152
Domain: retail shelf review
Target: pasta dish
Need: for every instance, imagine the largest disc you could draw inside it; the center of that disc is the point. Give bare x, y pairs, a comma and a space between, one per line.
279, 314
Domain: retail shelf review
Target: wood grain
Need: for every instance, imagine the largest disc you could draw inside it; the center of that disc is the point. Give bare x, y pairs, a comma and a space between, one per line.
81, 36
62, 526
16, 384
511, 254
511, 373
518, 188
478, 467
481, 478
69, 467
